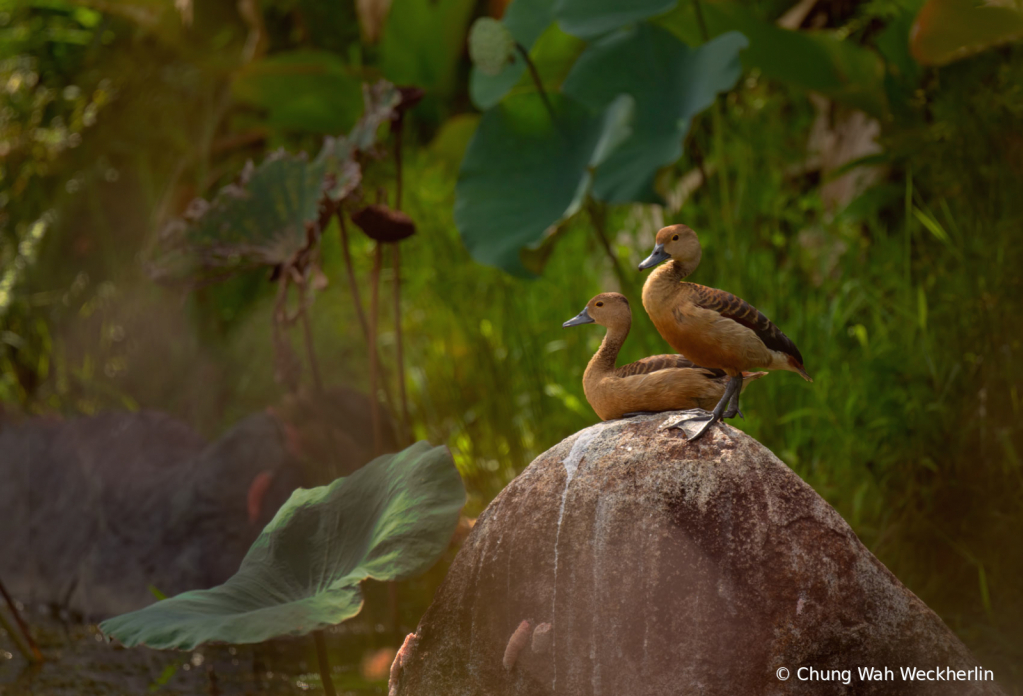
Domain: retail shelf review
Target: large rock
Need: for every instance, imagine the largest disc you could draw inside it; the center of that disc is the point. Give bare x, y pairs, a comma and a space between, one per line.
646, 564
99, 508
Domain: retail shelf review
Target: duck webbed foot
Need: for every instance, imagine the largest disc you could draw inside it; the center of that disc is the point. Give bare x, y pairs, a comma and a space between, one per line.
731, 392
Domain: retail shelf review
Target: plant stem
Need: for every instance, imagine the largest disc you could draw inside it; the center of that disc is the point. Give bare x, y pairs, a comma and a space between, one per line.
352, 283
536, 77
399, 349
374, 313
37, 655
314, 365
396, 269
324, 665
15, 635
701, 21
598, 214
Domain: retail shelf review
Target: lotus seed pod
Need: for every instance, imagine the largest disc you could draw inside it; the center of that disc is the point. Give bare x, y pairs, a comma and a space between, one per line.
491, 45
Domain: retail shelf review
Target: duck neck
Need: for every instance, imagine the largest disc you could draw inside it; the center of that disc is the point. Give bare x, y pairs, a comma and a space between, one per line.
603, 361
664, 282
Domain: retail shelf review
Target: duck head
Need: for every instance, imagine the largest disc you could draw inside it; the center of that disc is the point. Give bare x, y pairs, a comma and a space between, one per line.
607, 309
677, 242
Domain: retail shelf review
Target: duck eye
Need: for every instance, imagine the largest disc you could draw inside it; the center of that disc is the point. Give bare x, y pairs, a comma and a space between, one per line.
600, 304
675, 238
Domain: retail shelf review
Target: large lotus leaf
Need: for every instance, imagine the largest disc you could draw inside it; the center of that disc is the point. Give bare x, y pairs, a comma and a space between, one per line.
820, 61
670, 83
524, 171
525, 20
312, 91
947, 30
390, 520
591, 18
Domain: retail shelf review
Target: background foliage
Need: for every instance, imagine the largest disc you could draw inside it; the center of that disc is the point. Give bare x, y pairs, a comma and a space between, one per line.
860, 189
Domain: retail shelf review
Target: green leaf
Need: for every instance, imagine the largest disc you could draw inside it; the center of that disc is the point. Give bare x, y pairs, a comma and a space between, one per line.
819, 61
491, 46
422, 45
259, 220
588, 19
525, 21
524, 172
390, 520
670, 84
947, 30
310, 91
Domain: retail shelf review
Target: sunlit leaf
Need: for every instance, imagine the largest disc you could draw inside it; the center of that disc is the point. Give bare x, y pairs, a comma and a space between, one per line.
390, 520
670, 83
525, 171
525, 20
311, 91
947, 30
588, 19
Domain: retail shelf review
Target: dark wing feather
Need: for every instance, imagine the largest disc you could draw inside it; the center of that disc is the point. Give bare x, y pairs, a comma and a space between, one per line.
728, 305
663, 362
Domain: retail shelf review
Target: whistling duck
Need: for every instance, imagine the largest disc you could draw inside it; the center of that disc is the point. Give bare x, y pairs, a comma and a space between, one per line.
712, 327
657, 383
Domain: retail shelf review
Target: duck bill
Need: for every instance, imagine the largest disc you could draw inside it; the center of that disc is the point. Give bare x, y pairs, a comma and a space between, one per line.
658, 255
582, 317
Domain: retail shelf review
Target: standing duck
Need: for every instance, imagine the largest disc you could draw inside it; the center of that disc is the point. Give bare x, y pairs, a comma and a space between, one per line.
657, 383
712, 327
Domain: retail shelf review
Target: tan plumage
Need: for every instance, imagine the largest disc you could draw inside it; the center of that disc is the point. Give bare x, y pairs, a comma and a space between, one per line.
656, 383
712, 327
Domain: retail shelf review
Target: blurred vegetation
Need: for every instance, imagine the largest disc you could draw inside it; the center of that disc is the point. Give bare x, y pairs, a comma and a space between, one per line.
863, 193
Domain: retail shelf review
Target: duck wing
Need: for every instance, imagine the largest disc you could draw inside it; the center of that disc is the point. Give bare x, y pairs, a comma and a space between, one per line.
663, 362
739, 310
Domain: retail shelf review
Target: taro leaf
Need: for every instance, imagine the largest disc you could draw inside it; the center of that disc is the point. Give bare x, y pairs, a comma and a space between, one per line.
382, 224
310, 91
261, 219
588, 19
670, 82
422, 43
814, 60
382, 101
947, 30
390, 520
525, 20
524, 172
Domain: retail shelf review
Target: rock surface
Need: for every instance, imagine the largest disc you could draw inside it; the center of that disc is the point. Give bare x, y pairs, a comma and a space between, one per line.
96, 509
668, 567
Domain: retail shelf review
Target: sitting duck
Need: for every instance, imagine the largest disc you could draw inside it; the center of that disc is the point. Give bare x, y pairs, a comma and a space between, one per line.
657, 383
712, 327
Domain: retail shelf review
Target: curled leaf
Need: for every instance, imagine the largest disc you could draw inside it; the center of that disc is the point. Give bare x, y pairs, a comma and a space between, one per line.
384, 224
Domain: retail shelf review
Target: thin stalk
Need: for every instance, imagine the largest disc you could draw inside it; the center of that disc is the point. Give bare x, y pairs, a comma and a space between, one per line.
374, 377
536, 78
15, 634
399, 348
33, 646
323, 663
314, 365
352, 283
598, 215
701, 21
